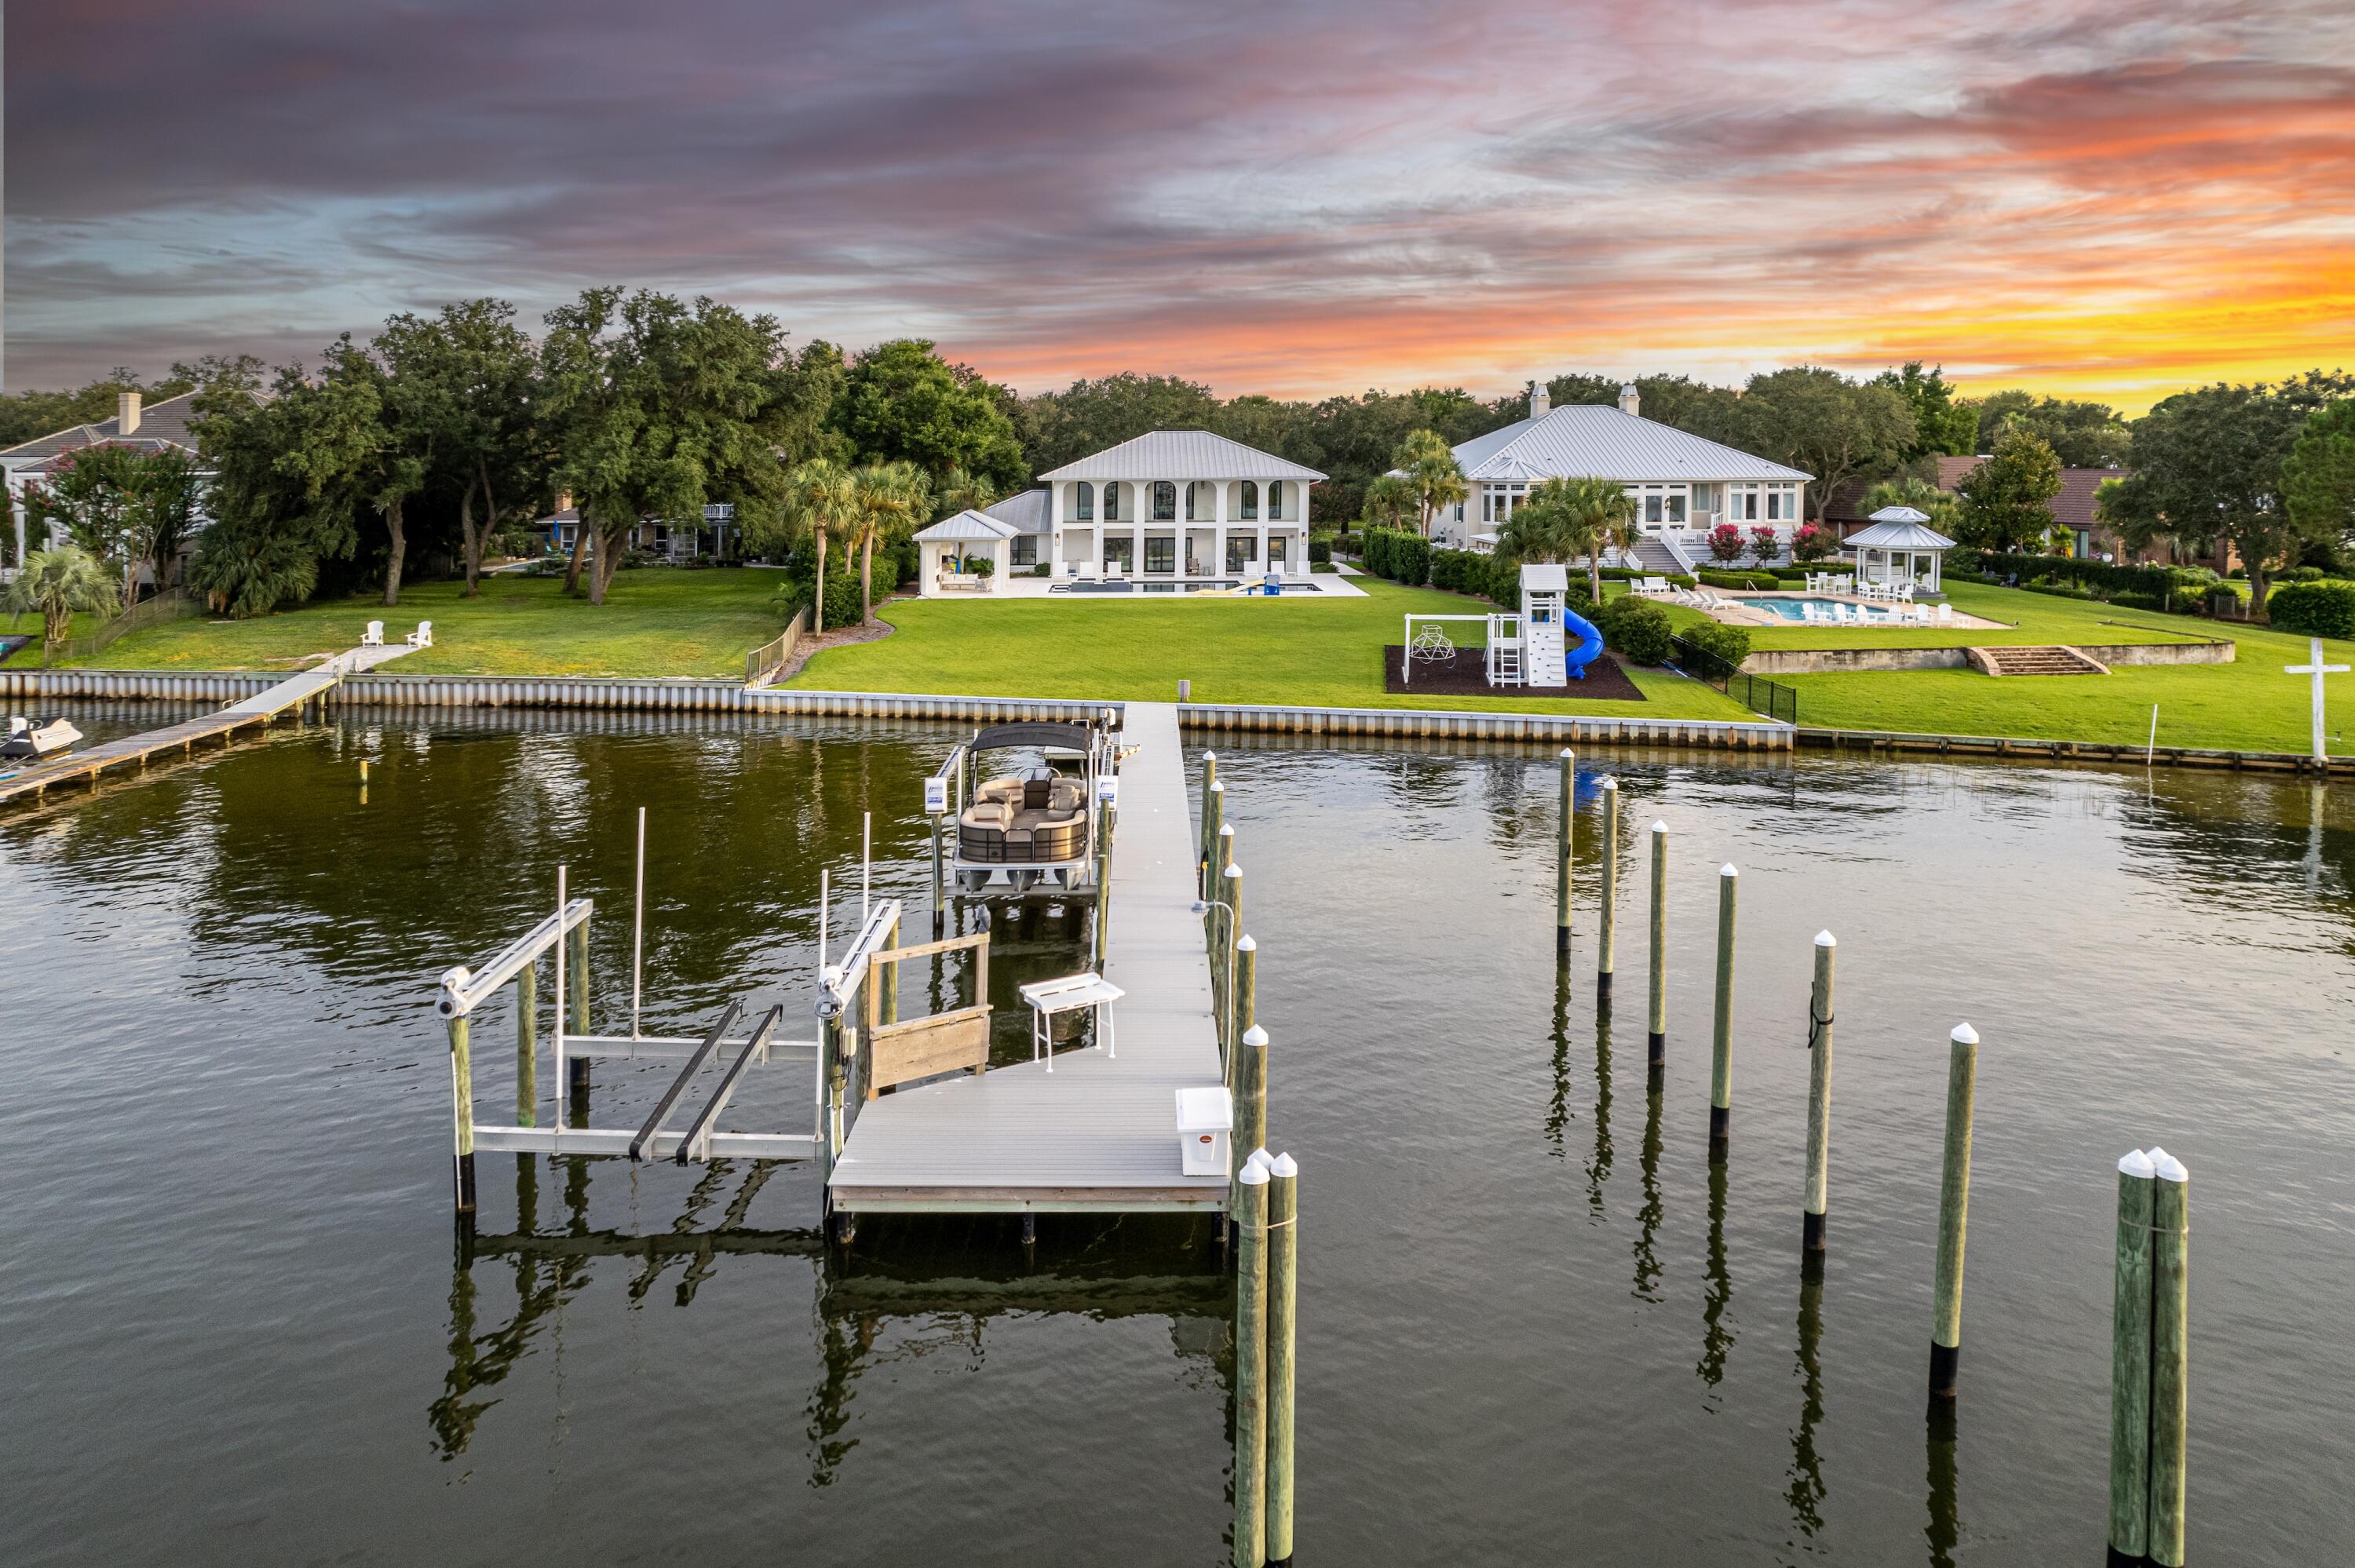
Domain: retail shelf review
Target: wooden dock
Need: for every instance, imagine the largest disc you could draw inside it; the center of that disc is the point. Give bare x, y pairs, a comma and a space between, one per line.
31, 780
1099, 1132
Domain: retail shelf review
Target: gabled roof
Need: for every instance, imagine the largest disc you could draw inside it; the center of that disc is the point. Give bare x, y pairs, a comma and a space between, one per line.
1183, 455
2071, 508
1597, 440
967, 527
166, 423
1025, 509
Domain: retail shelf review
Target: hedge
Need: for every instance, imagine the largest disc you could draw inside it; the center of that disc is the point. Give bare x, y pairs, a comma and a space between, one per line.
1637, 628
1401, 557
1765, 580
2313, 609
1731, 643
1319, 551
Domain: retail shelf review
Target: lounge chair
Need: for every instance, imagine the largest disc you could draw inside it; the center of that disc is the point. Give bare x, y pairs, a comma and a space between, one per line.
423, 637
374, 636
1112, 570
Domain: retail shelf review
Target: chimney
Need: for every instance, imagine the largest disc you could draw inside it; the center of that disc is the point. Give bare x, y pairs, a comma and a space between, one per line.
1630, 400
126, 412
1541, 400
564, 500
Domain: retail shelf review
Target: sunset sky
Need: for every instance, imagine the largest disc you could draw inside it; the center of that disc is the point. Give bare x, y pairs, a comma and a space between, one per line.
2090, 199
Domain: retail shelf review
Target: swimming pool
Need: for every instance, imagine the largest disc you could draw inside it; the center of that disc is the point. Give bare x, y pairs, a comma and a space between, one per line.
1797, 609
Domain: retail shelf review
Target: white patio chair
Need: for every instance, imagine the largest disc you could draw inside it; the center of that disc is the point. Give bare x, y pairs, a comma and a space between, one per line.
423, 636
1114, 571
374, 636
1946, 615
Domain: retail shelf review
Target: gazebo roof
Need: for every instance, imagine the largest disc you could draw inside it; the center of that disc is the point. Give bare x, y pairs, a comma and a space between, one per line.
967, 527
1898, 528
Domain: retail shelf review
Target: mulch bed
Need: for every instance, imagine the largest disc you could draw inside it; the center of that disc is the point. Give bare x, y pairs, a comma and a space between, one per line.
1467, 675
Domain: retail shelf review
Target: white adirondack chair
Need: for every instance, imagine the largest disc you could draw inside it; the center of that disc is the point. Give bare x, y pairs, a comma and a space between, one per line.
374, 636
423, 637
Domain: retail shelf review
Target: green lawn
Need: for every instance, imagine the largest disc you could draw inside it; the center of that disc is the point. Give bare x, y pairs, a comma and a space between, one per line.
657, 621
1319, 652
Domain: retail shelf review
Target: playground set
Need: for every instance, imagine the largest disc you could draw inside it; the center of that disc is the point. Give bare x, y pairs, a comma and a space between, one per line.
1531, 647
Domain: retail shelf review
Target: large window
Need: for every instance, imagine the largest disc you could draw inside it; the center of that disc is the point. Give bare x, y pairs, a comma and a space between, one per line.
1274, 499
1122, 549
1276, 544
1250, 513
1160, 553
1242, 550
1083, 503
1165, 501
1704, 498
1111, 502
1676, 507
1652, 507
1025, 550
1774, 506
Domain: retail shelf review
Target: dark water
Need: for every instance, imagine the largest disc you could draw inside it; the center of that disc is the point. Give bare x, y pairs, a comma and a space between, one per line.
1536, 1325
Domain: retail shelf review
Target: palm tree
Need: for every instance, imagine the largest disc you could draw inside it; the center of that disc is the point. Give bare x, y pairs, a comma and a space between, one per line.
1390, 501
890, 496
821, 496
1580, 517
58, 583
1429, 466
1939, 506
959, 490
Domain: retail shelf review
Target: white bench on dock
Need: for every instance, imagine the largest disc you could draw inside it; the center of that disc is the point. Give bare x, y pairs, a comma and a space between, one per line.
1099, 1132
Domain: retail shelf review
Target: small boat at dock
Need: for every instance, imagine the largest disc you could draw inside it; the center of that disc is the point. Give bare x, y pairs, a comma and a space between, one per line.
28, 741
1037, 823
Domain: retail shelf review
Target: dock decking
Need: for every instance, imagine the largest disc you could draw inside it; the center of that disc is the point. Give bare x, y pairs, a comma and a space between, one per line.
33, 779
1099, 1133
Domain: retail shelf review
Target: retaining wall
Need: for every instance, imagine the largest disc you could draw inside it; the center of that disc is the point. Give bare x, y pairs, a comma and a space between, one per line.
1823, 660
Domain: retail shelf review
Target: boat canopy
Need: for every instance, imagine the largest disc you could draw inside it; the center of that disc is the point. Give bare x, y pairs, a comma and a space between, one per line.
1069, 737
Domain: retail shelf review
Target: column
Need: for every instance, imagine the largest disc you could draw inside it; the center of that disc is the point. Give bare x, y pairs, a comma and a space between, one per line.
1055, 530
1218, 561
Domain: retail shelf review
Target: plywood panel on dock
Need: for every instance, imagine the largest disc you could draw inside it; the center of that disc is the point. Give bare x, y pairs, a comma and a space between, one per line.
1100, 1131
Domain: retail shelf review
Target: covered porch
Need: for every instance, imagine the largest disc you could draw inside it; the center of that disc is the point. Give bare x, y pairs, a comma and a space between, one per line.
1900, 547
969, 553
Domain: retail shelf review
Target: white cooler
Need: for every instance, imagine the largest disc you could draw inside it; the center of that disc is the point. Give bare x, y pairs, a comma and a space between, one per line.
1205, 1119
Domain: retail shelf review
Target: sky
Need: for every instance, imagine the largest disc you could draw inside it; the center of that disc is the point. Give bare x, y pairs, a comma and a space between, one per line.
2081, 196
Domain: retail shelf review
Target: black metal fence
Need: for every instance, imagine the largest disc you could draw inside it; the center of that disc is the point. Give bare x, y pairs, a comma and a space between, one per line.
1756, 692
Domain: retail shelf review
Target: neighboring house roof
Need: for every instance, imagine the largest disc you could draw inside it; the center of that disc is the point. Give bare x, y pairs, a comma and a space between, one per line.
1598, 441
1025, 509
1183, 454
967, 527
2071, 508
168, 423
1897, 537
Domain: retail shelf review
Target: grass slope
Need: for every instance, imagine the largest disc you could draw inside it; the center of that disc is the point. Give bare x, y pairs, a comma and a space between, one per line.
655, 621
1323, 653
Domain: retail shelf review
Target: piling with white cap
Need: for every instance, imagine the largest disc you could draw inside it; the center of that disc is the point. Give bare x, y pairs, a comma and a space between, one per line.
1954, 1210
1656, 1043
1283, 1304
2171, 1348
1720, 1053
1819, 1100
1567, 815
1606, 934
1250, 1087
2130, 1366
1249, 1215
1214, 814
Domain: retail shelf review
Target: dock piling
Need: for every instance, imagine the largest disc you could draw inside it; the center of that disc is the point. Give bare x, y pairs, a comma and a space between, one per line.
1721, 1053
461, 1097
1283, 1316
1954, 1210
1819, 1100
2130, 1366
1251, 1088
1230, 960
1238, 1025
1251, 1361
527, 1045
2170, 1403
1657, 1045
1569, 770
579, 1065
1103, 881
1207, 845
1606, 956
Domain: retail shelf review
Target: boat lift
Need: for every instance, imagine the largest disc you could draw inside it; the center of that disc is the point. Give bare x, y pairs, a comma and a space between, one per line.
863, 1045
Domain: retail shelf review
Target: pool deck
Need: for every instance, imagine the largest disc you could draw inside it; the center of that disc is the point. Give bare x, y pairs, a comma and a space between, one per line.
1099, 1132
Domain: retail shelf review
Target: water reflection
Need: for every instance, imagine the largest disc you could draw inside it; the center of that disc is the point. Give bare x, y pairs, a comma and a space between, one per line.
1598, 1168
1647, 1218
1717, 1336
1558, 1115
1946, 1526
1805, 1492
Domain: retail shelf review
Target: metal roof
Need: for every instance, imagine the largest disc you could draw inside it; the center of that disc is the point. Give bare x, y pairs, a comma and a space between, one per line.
1183, 455
1897, 537
967, 526
1543, 576
1025, 509
1597, 440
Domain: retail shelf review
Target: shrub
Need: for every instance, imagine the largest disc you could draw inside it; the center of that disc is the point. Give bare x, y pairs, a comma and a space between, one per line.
1320, 551
1764, 545
1767, 580
2314, 609
1731, 643
1812, 543
1725, 542
2303, 575
1637, 628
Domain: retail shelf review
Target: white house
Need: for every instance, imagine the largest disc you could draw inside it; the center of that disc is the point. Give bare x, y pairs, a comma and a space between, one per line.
1175, 503
1683, 485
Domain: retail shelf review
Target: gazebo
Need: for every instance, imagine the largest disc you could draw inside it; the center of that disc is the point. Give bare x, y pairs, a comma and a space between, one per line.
951, 542
1898, 531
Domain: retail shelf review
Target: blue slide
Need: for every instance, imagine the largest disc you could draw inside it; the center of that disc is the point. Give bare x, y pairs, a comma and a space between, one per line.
1590, 643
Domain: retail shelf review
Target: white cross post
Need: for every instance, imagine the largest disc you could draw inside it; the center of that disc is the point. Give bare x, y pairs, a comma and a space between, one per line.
2318, 668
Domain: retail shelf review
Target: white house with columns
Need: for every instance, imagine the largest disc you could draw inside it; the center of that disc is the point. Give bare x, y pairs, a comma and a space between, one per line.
1180, 504
1682, 484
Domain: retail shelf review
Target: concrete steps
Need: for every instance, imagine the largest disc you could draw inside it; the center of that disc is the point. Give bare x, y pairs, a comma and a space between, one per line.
2052, 660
